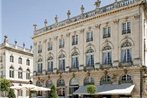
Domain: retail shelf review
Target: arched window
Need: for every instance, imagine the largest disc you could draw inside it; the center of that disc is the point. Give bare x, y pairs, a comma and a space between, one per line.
126, 52
90, 58
27, 74
126, 79
107, 55
11, 58
75, 61
27, 62
73, 86
50, 64
62, 62
11, 72
89, 80
49, 83
61, 87
19, 60
105, 80
40, 65
20, 73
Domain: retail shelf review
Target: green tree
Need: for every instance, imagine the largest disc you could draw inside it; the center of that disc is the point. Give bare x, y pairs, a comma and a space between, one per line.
11, 94
53, 92
4, 86
91, 89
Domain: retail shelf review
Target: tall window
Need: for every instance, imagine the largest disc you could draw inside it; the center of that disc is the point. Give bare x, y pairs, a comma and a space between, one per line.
75, 60
40, 65
27, 62
60, 86
89, 36
126, 27
20, 73
40, 48
27, 74
19, 60
11, 72
50, 64
50, 47
61, 43
62, 62
106, 32
11, 58
126, 53
74, 39
90, 58
107, 55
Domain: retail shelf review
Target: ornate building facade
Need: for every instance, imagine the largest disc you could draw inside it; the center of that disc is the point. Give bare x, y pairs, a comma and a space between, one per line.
105, 47
16, 65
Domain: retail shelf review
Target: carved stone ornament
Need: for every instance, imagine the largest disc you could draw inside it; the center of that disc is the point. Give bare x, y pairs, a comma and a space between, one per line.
137, 16
98, 26
82, 30
125, 71
68, 34
116, 21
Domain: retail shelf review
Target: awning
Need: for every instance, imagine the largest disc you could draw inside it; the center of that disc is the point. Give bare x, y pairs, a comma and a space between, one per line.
108, 89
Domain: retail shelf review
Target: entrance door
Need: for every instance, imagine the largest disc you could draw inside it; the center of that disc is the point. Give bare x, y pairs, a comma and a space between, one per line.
106, 96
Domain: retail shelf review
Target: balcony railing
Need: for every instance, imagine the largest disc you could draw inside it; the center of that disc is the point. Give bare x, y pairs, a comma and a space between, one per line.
126, 31
98, 11
89, 39
106, 35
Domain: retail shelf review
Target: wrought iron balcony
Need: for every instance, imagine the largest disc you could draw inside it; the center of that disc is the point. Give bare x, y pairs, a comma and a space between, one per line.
126, 31
89, 39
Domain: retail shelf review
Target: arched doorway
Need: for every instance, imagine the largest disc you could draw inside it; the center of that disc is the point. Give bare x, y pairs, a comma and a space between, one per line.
73, 86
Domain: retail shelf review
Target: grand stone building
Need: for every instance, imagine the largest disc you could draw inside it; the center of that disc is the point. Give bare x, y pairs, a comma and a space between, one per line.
16, 65
105, 47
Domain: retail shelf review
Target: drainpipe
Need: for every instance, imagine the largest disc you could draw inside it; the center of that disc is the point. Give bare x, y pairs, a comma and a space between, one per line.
141, 83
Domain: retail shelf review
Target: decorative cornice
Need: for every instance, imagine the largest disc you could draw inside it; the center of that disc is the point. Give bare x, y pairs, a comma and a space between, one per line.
88, 19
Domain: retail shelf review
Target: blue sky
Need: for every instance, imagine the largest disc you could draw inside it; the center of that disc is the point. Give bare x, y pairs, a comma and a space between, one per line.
18, 16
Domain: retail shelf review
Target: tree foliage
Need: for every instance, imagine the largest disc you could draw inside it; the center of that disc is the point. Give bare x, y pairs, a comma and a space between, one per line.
91, 89
53, 92
11, 94
4, 86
